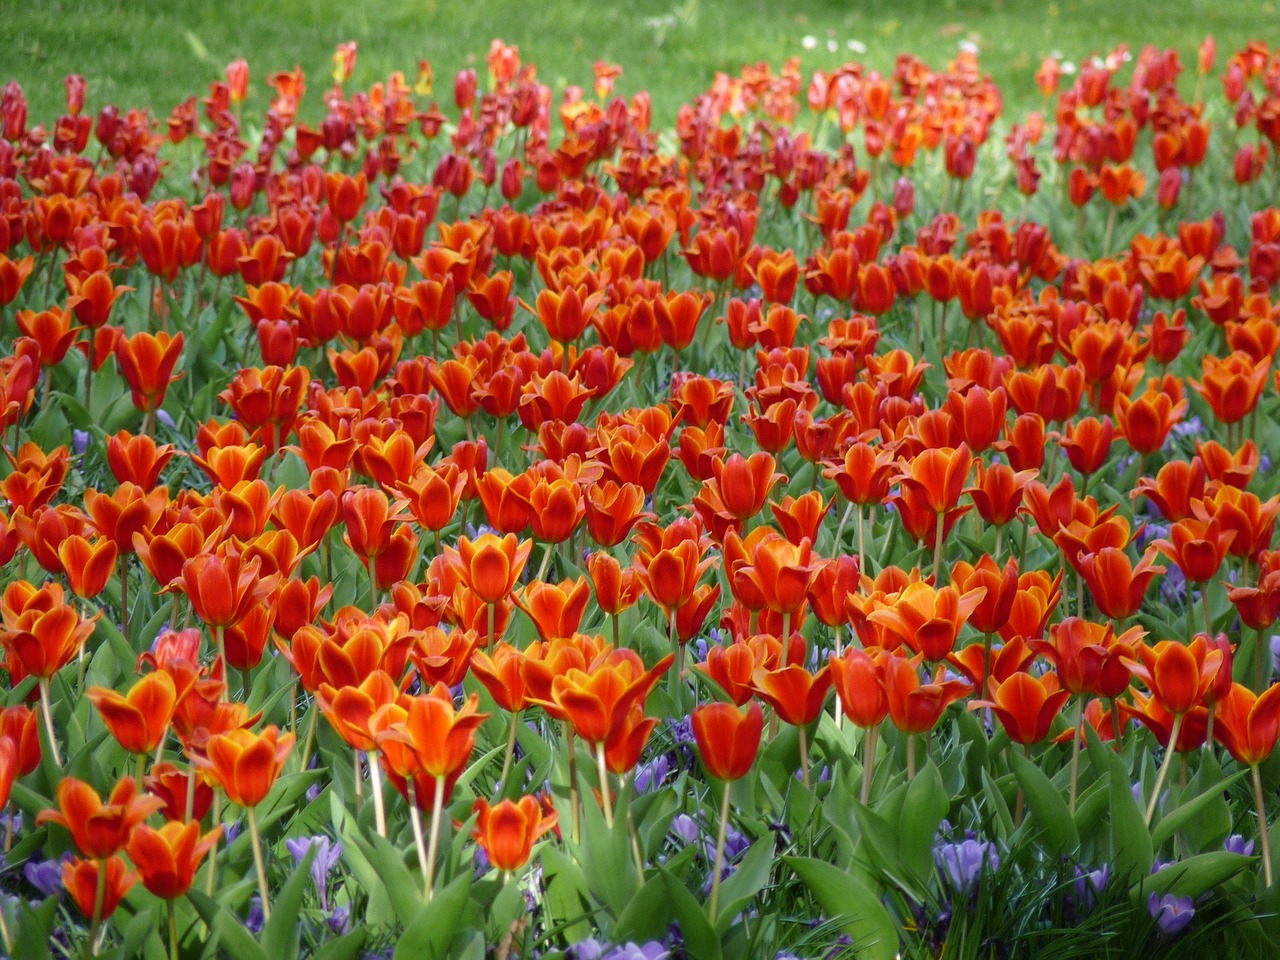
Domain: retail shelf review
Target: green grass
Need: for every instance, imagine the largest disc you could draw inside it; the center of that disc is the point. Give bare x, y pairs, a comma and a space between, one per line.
158, 52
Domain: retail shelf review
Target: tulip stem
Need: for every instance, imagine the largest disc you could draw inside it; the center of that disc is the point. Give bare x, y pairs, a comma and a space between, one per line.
511, 748
719, 862
786, 640
433, 842
142, 772
1164, 767
47, 712
221, 643
573, 783
173, 930
99, 898
869, 744
4, 934
1259, 658
911, 757
258, 864
604, 785
804, 757
211, 878
415, 818
310, 739
1076, 734
937, 547
375, 787
1262, 825
359, 779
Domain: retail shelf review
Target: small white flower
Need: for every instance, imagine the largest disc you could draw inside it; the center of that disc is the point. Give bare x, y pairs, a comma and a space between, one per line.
1068, 67
856, 46
832, 46
968, 46
809, 42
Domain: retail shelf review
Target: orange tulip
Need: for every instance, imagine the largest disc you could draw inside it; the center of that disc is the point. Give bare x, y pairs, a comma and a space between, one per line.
1197, 548
780, 572
596, 700
1232, 386
1248, 724
727, 739
88, 564
491, 565
795, 694
916, 707
349, 709
744, 482
139, 719
146, 362
1177, 674
167, 858
555, 609
427, 733
1147, 419
615, 589
45, 638
99, 830
857, 676
222, 590
245, 764
80, 877
507, 831
1025, 705
927, 619
1117, 586
1089, 657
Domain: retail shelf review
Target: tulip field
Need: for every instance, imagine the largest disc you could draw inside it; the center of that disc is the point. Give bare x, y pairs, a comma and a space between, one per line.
453, 518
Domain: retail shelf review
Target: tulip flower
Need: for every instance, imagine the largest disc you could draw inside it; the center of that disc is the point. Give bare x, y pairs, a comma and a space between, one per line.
139, 719
858, 678
167, 858
507, 831
1025, 705
1247, 727
99, 830
927, 619
916, 707
97, 886
797, 697
146, 362
246, 765
728, 741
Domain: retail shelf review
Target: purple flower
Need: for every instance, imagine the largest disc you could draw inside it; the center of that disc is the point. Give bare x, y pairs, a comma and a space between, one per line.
652, 775
1274, 642
686, 828
1173, 589
45, 875
231, 831
654, 950
1172, 914
962, 864
589, 949
164, 417
255, 920
1238, 844
681, 730
328, 852
1089, 884
79, 441
338, 919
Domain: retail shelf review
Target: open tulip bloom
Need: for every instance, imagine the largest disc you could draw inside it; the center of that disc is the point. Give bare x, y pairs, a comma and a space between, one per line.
361, 489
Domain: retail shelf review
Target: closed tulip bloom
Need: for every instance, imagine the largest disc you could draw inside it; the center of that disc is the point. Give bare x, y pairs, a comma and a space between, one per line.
1178, 675
1146, 420
43, 641
89, 564
857, 679
615, 589
670, 576
99, 830
1006, 659
780, 572
1025, 705
80, 877
938, 475
9, 769
1231, 387
508, 830
167, 858
349, 709
1247, 724
1197, 548
491, 565
222, 589
501, 670
139, 719
1001, 585
916, 707
1116, 584
728, 739
623, 750
744, 482
246, 764
555, 609
146, 362
1089, 657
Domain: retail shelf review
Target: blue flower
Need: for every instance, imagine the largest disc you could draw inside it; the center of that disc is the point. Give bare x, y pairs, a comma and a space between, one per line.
652, 775
1088, 885
1238, 844
686, 828
45, 875
256, 919
1172, 914
654, 950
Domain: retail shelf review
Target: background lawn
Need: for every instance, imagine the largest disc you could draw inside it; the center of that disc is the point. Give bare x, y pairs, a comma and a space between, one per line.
158, 52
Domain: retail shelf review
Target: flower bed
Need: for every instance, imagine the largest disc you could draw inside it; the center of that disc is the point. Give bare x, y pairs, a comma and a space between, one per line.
838, 526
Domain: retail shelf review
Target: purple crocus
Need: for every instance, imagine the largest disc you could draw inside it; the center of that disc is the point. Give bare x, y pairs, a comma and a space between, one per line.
962, 864
654, 950
45, 875
1089, 883
686, 828
328, 852
652, 775
1172, 914
1238, 844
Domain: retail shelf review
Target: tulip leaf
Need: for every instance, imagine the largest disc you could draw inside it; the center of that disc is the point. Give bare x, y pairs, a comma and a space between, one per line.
1002, 826
877, 836
748, 879
606, 860
648, 915
1130, 840
346, 947
1047, 806
850, 905
236, 940
428, 935
1191, 813
34, 929
566, 893
280, 935
923, 807
1195, 875
1091, 806
700, 940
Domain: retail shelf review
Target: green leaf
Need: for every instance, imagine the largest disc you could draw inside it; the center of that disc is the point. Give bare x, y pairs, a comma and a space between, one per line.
747, 879
1131, 845
1189, 813
34, 929
851, 906
236, 940
280, 935
566, 894
428, 936
1195, 875
346, 947
648, 915
607, 866
700, 940
1047, 806
923, 808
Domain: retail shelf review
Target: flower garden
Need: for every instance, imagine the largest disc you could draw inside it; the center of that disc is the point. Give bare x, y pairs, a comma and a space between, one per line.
477, 523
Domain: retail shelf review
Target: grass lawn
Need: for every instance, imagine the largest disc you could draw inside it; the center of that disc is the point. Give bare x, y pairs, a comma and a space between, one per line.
158, 52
